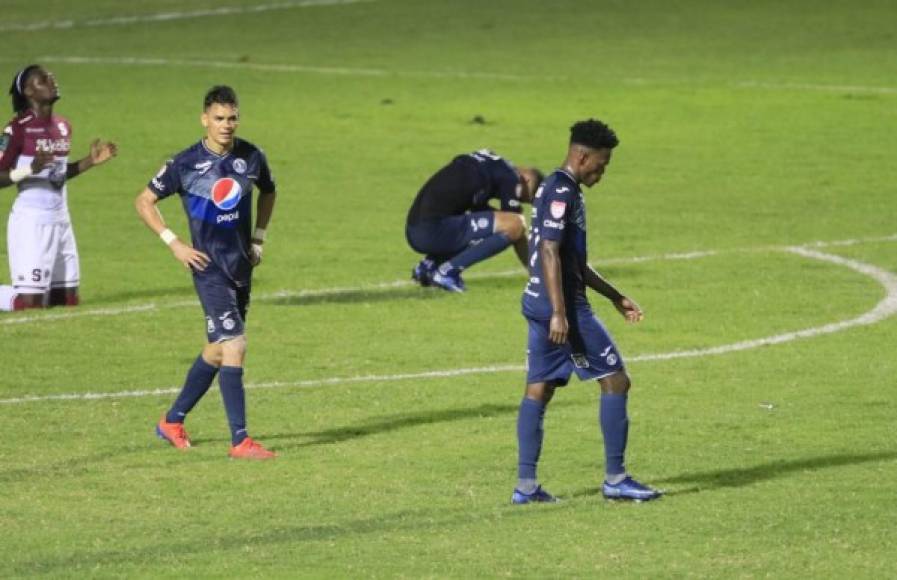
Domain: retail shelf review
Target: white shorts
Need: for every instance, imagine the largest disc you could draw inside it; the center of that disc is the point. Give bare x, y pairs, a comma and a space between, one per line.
41, 255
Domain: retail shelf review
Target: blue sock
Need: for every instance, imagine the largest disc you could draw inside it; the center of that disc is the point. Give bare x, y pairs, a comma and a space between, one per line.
529, 437
231, 381
199, 379
479, 252
615, 427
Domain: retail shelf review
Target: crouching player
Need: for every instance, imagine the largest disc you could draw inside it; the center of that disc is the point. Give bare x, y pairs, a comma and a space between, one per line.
453, 225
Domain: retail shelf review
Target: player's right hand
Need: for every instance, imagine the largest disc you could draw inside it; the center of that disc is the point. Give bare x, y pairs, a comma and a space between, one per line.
42, 160
188, 256
558, 328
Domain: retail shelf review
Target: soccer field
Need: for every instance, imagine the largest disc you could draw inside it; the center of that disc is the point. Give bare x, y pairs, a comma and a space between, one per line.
750, 210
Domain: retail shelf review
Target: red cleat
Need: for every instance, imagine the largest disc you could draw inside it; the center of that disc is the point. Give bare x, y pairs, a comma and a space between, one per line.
174, 433
249, 449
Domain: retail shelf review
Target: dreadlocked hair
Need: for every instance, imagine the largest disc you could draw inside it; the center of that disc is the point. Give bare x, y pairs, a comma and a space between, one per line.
17, 88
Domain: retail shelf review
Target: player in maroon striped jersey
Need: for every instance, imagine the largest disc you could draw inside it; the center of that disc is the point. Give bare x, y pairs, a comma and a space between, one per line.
34, 150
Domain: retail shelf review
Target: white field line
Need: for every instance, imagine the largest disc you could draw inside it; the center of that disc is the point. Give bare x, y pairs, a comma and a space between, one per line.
272, 385
885, 308
283, 68
819, 87
341, 291
380, 72
169, 16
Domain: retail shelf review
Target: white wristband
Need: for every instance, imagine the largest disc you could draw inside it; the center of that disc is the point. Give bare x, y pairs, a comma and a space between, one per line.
20, 173
259, 234
167, 236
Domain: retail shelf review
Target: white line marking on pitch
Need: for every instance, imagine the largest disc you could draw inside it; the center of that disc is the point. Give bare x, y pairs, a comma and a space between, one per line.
885, 308
324, 292
169, 16
285, 68
818, 87
379, 72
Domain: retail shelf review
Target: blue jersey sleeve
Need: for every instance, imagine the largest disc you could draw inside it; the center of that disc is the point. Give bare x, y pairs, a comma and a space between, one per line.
508, 193
557, 207
265, 182
167, 181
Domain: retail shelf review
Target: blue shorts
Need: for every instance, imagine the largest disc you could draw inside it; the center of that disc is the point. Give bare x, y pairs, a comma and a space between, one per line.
224, 303
595, 355
450, 235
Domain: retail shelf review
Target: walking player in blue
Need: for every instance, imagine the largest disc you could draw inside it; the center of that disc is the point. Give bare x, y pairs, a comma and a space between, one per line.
564, 334
452, 223
215, 178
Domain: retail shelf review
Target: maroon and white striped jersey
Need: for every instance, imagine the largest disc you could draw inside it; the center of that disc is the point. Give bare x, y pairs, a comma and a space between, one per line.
43, 193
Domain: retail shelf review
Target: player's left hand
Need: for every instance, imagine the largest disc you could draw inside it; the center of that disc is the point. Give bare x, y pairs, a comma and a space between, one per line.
255, 253
102, 151
629, 309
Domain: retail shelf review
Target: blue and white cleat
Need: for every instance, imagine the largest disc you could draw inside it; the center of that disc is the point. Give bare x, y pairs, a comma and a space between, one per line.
423, 272
538, 496
630, 489
451, 281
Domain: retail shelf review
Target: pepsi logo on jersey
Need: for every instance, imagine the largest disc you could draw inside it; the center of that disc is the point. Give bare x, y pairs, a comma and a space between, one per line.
226, 193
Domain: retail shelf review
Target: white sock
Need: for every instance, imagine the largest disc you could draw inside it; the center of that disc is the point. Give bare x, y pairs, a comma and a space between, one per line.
527, 486
615, 478
7, 295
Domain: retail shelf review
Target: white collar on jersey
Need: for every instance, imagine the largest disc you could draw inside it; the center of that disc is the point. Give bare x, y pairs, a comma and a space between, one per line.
219, 155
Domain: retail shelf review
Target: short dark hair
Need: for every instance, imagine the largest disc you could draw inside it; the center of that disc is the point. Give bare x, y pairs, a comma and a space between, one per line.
593, 133
221, 94
17, 88
540, 177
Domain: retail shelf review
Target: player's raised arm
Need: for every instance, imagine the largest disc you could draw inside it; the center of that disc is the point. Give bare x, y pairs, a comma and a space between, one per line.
100, 152
188, 256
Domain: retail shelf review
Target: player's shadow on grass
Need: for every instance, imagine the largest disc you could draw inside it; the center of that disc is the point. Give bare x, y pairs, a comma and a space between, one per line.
355, 296
378, 425
705, 481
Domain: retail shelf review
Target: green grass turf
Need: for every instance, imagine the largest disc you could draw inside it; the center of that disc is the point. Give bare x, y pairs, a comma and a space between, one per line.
745, 127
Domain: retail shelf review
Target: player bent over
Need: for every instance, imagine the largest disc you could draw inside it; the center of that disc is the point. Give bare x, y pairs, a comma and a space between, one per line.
34, 150
215, 178
452, 223
564, 334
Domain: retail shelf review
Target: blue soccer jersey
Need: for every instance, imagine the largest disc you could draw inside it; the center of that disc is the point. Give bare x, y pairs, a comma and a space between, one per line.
467, 184
216, 191
500, 182
559, 214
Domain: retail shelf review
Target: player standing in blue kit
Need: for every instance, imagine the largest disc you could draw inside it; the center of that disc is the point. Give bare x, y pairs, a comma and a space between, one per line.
215, 178
564, 334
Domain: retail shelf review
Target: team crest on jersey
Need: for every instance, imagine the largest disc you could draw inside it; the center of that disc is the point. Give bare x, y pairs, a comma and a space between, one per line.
63, 130
226, 193
557, 209
239, 166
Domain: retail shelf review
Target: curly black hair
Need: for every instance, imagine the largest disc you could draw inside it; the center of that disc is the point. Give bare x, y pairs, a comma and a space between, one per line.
17, 88
221, 94
593, 133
